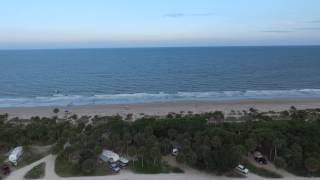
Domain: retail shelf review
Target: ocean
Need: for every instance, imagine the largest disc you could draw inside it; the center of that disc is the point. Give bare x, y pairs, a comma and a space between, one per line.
137, 75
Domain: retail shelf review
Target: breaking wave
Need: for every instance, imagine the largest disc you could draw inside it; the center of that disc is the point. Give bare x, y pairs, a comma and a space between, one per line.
65, 100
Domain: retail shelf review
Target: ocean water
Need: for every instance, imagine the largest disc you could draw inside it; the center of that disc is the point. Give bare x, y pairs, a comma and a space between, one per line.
112, 76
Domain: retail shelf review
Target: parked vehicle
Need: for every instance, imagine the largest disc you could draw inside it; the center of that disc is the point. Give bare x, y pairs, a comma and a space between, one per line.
16, 155
123, 162
241, 169
114, 167
115, 162
260, 158
175, 152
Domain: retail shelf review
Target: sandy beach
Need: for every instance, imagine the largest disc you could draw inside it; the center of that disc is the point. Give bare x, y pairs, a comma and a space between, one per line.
164, 108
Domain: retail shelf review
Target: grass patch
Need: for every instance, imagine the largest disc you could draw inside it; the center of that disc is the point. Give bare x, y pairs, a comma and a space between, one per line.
163, 168
2, 158
147, 169
66, 168
234, 174
29, 157
261, 171
36, 172
303, 173
176, 170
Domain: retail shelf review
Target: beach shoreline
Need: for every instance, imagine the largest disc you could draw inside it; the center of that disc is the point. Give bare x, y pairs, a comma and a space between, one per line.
163, 108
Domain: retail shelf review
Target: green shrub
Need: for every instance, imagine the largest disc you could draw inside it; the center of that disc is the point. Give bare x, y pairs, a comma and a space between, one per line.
36, 172
262, 172
280, 163
29, 157
88, 166
177, 170
148, 169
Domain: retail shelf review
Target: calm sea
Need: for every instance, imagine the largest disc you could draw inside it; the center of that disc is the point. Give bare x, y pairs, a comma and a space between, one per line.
112, 76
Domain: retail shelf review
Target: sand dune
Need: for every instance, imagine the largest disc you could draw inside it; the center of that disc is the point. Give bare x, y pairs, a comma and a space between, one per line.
167, 107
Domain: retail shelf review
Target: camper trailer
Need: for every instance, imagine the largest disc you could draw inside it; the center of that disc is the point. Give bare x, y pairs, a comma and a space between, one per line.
15, 155
115, 162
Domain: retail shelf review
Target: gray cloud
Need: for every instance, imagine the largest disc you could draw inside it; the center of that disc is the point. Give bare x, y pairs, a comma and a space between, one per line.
315, 21
202, 14
174, 15
178, 15
277, 31
308, 28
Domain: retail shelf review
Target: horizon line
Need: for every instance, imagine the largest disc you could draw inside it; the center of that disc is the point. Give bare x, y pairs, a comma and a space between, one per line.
153, 47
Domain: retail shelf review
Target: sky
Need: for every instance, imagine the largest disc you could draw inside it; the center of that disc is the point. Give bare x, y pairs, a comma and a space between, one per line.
151, 23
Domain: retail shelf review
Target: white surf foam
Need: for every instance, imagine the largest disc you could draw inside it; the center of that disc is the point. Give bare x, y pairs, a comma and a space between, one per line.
65, 100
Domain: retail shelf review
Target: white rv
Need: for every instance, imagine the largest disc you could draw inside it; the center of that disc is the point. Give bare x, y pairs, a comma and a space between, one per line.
15, 155
109, 156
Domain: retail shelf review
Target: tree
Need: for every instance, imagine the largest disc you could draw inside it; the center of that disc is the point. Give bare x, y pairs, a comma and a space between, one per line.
191, 157
217, 117
165, 146
98, 150
127, 138
148, 131
3, 118
56, 110
295, 156
216, 142
132, 152
312, 164
172, 134
280, 162
138, 139
141, 154
156, 155
277, 144
251, 144
181, 158
88, 166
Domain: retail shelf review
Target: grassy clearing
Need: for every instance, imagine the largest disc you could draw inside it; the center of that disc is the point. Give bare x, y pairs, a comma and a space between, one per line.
177, 170
29, 157
146, 169
2, 158
261, 171
157, 169
303, 173
66, 168
36, 172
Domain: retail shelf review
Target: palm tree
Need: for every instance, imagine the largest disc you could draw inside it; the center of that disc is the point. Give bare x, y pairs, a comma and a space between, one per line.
127, 138
132, 153
141, 153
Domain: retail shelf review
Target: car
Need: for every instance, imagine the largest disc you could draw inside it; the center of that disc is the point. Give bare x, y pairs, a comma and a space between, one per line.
123, 162
259, 158
175, 152
113, 165
116, 169
242, 169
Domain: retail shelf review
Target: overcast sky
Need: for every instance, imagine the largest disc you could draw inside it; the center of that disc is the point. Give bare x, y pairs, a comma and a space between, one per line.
140, 23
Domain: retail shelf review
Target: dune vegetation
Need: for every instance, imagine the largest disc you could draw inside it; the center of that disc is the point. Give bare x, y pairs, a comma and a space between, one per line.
209, 141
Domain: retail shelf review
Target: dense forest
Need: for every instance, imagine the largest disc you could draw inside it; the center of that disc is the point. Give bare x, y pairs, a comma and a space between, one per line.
211, 141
